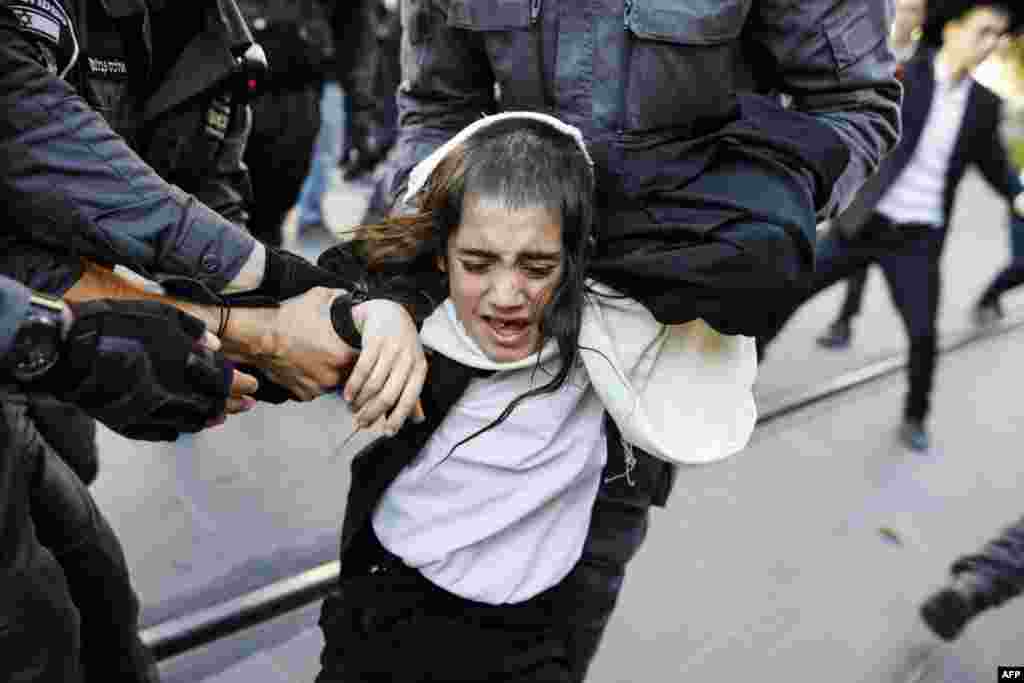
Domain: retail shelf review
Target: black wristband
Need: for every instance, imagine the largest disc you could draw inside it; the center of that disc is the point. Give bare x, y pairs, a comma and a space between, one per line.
344, 323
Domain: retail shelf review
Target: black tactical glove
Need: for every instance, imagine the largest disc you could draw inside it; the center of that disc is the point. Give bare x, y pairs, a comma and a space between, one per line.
287, 275
138, 367
948, 610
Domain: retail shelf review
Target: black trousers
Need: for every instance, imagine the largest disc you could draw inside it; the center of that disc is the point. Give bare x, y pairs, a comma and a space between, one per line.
390, 624
278, 154
909, 256
70, 432
854, 295
68, 613
1013, 275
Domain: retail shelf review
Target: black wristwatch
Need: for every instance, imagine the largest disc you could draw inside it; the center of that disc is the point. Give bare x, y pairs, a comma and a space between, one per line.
37, 343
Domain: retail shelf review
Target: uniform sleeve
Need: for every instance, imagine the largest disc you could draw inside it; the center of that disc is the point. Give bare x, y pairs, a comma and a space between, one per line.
832, 59
447, 83
68, 182
14, 303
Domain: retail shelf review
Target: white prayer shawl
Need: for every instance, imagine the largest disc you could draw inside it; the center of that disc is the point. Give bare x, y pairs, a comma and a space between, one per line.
683, 393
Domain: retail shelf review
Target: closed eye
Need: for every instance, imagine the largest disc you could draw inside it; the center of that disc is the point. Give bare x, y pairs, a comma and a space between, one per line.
475, 267
538, 272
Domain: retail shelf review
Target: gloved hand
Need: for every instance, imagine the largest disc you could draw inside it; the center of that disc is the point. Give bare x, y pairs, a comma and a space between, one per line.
287, 275
139, 367
948, 610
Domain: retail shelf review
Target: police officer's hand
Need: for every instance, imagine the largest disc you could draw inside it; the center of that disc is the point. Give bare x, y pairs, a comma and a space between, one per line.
294, 345
1018, 204
147, 370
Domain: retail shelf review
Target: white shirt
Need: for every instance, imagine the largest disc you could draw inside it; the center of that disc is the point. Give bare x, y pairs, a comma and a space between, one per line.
916, 195
504, 516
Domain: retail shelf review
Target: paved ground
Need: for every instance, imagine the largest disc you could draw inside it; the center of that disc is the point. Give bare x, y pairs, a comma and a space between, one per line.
773, 558
802, 559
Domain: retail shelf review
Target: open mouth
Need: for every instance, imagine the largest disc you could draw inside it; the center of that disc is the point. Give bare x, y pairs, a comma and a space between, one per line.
507, 330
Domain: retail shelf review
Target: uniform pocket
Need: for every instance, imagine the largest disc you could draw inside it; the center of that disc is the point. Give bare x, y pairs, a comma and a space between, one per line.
696, 22
492, 15
679, 64
851, 35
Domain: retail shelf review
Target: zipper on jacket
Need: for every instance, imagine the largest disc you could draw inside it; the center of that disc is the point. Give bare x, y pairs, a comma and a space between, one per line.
542, 74
627, 58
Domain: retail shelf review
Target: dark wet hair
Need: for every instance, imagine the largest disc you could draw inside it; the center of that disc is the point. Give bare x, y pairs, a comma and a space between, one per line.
938, 13
519, 163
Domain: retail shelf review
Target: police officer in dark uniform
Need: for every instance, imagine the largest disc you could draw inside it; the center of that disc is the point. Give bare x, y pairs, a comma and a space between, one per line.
120, 144
190, 133
67, 610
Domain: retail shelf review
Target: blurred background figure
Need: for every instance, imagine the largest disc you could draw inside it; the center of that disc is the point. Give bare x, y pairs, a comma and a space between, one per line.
296, 36
900, 217
328, 151
980, 581
1005, 74
989, 308
904, 39
375, 73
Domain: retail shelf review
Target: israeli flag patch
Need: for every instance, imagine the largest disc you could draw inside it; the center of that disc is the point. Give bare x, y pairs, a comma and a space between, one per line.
43, 18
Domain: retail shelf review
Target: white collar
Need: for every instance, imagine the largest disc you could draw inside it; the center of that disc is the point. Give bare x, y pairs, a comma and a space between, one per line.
944, 77
683, 393
443, 331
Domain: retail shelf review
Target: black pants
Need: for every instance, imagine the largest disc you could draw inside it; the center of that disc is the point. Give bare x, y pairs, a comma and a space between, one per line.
70, 432
390, 624
1013, 275
854, 295
909, 256
68, 613
278, 154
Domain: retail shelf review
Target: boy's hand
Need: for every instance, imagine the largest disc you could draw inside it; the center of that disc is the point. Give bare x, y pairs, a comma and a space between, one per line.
389, 374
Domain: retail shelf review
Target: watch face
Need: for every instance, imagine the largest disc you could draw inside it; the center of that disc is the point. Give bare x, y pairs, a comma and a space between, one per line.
35, 348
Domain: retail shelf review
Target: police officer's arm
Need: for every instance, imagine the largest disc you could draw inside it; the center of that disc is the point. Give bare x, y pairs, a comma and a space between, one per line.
75, 185
14, 303
141, 367
447, 83
72, 185
285, 342
832, 58
296, 353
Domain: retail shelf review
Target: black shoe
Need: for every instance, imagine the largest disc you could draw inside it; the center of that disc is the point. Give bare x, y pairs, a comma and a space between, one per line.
837, 336
947, 611
914, 436
987, 313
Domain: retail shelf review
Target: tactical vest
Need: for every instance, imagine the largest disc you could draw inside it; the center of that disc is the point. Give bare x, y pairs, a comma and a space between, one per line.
170, 78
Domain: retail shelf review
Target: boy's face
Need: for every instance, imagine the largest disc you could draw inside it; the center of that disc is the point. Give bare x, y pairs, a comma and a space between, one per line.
908, 16
969, 40
503, 265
